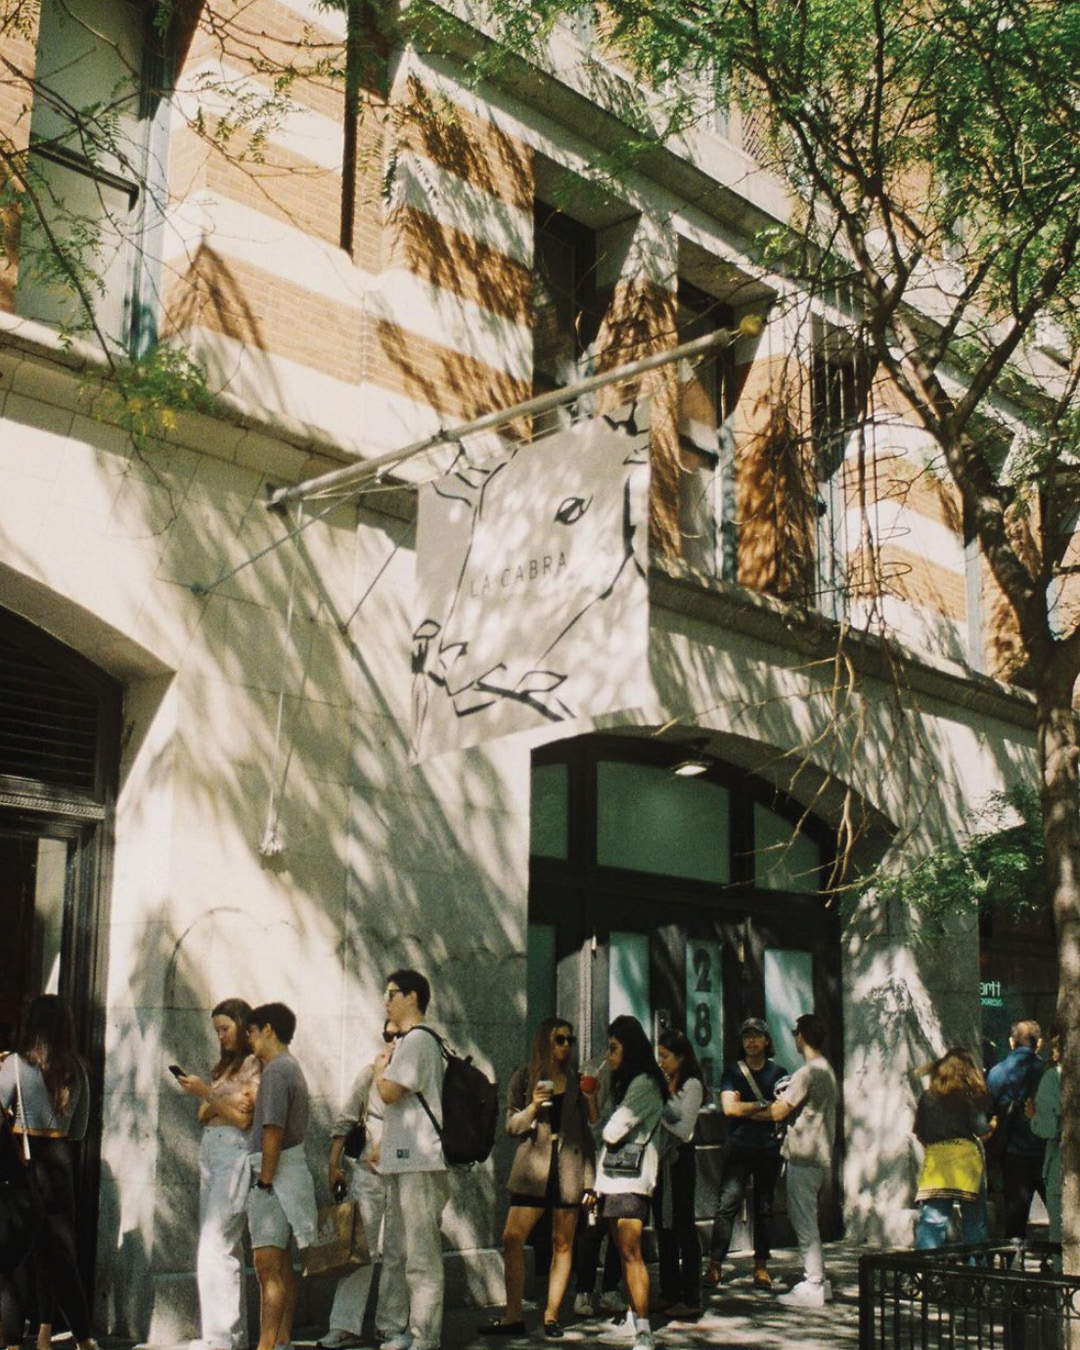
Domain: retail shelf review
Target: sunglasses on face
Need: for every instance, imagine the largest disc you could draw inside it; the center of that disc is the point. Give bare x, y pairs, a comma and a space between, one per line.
564, 1038
390, 1036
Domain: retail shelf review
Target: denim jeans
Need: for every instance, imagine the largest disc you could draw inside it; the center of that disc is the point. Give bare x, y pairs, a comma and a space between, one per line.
932, 1226
762, 1167
219, 1264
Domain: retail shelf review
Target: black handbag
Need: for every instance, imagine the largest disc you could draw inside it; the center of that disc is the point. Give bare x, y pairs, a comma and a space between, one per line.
355, 1140
627, 1159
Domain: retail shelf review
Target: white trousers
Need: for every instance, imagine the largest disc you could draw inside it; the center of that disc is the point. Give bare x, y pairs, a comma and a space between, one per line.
351, 1295
803, 1184
411, 1284
219, 1263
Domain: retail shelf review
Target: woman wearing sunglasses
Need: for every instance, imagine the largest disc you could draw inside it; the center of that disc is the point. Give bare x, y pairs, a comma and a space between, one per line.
552, 1169
367, 1188
629, 1165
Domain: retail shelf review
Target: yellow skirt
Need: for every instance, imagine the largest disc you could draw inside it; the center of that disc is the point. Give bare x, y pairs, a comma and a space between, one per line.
952, 1170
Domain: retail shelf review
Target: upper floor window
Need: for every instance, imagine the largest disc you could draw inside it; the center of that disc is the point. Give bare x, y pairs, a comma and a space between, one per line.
706, 447
838, 394
88, 167
564, 309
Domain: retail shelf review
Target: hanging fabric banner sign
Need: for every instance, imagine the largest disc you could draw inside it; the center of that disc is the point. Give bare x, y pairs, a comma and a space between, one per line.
532, 579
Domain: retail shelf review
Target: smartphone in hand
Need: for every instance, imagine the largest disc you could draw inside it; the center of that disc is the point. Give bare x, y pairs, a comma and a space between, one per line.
177, 1071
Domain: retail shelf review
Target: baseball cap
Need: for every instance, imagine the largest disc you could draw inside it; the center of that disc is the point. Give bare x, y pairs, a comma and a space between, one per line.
754, 1024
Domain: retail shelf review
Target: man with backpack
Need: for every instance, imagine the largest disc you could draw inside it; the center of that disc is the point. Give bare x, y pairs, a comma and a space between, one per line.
409, 1079
1020, 1153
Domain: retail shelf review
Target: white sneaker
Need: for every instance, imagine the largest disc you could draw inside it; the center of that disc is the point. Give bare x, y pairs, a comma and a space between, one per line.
583, 1305
644, 1339
613, 1302
621, 1332
398, 1340
337, 1338
805, 1295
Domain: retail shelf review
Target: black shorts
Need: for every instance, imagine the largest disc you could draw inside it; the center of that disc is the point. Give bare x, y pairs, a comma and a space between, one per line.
625, 1206
552, 1197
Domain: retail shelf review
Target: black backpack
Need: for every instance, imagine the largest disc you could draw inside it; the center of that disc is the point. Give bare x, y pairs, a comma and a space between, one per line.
470, 1108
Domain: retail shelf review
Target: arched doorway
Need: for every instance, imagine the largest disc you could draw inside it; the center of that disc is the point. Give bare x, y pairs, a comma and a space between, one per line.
689, 901
59, 755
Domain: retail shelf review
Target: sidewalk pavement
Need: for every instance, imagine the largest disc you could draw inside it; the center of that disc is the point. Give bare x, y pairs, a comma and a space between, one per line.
735, 1314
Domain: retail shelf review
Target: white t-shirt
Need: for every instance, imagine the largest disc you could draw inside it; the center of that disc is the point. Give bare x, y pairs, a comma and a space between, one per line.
410, 1142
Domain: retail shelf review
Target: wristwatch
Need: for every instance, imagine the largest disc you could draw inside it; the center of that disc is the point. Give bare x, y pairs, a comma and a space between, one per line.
264, 1185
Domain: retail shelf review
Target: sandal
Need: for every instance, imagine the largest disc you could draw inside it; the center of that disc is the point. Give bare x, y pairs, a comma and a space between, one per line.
711, 1278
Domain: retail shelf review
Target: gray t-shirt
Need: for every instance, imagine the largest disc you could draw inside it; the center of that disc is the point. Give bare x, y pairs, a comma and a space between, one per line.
811, 1128
37, 1109
282, 1101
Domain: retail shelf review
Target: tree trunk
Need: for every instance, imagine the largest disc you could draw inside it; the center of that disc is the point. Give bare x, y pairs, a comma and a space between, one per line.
1061, 816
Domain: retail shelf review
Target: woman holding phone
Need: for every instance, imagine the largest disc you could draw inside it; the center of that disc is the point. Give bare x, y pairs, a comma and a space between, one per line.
225, 1106
552, 1169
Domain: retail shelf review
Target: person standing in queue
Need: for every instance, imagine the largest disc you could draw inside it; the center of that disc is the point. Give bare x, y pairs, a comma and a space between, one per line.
226, 1104
952, 1119
676, 1220
753, 1156
367, 1187
808, 1102
412, 1280
1012, 1084
281, 1200
629, 1165
552, 1169
45, 1085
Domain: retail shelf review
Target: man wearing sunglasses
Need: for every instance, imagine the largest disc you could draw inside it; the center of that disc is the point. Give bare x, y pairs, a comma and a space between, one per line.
808, 1104
411, 1159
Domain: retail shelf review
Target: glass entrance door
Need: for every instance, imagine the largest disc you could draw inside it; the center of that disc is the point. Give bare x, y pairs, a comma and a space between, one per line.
42, 874
688, 904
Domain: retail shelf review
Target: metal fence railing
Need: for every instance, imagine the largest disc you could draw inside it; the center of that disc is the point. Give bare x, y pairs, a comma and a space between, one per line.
992, 1296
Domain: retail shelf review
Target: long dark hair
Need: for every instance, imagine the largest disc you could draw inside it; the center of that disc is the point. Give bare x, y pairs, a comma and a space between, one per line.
540, 1056
48, 1043
638, 1058
680, 1047
230, 1060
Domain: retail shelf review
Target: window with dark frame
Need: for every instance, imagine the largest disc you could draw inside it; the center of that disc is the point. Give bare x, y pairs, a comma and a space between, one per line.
565, 317
706, 447
839, 384
89, 167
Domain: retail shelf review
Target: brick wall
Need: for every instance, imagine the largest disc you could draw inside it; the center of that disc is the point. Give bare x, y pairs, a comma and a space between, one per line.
17, 53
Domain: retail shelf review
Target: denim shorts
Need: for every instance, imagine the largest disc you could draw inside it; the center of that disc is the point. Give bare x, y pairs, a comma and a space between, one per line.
267, 1223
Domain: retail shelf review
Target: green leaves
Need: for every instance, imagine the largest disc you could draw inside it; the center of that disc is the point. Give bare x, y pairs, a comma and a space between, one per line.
999, 868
